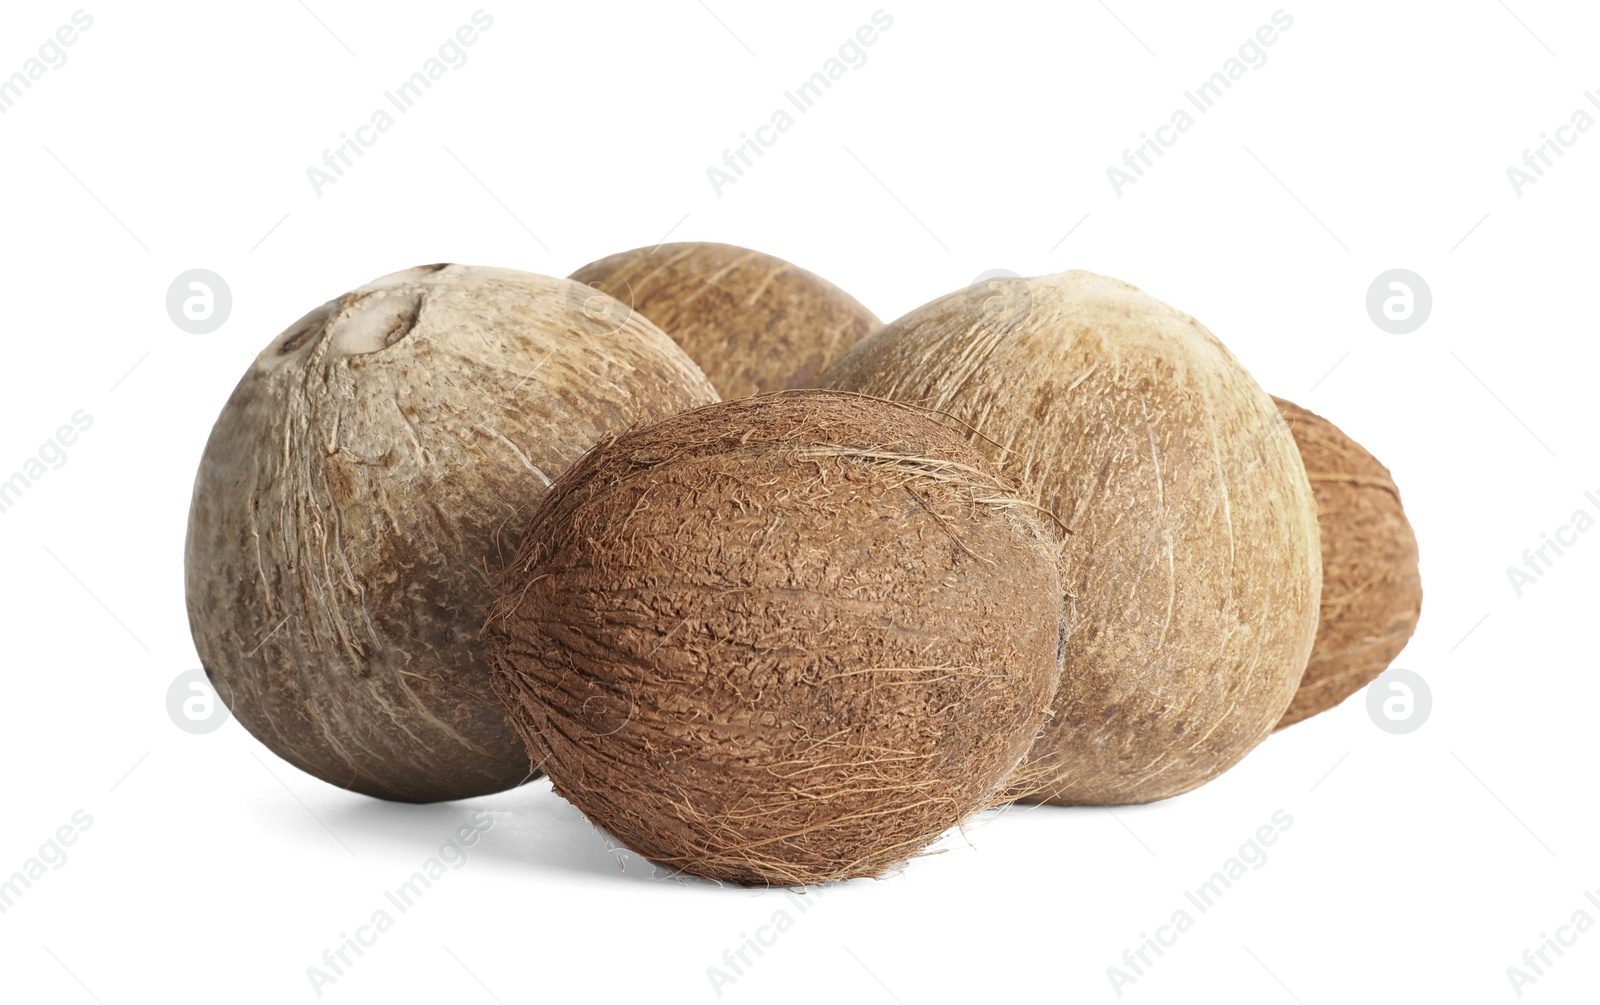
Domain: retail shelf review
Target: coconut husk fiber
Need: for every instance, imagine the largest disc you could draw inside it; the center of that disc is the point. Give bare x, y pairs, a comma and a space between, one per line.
1192, 570
1371, 586
374, 462
752, 321
785, 639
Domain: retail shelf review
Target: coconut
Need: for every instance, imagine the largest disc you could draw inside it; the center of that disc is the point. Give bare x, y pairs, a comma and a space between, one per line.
377, 460
1371, 588
784, 639
753, 322
1191, 568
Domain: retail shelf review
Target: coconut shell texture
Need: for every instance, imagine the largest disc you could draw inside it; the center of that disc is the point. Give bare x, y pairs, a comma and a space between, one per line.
753, 322
1371, 587
1192, 570
375, 463
785, 639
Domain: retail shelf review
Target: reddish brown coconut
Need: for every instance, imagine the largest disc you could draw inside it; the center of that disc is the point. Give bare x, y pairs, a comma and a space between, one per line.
1371, 586
785, 639
753, 322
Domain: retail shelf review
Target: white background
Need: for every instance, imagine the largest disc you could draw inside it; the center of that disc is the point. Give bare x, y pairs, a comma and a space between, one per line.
1376, 136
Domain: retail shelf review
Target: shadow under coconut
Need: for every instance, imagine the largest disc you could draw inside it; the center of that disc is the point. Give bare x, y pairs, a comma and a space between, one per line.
1129, 817
532, 827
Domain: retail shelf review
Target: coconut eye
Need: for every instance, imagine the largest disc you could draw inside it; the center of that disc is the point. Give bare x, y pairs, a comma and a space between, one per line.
403, 324
297, 339
307, 328
375, 322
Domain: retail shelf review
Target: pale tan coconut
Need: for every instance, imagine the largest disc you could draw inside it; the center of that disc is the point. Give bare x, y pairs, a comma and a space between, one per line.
1191, 570
752, 321
372, 469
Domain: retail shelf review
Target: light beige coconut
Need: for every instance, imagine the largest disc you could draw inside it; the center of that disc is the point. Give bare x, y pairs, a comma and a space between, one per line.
1191, 571
372, 469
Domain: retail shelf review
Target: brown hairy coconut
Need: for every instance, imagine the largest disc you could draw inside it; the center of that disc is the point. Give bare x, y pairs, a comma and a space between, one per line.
364, 473
1191, 569
1371, 588
753, 322
785, 639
